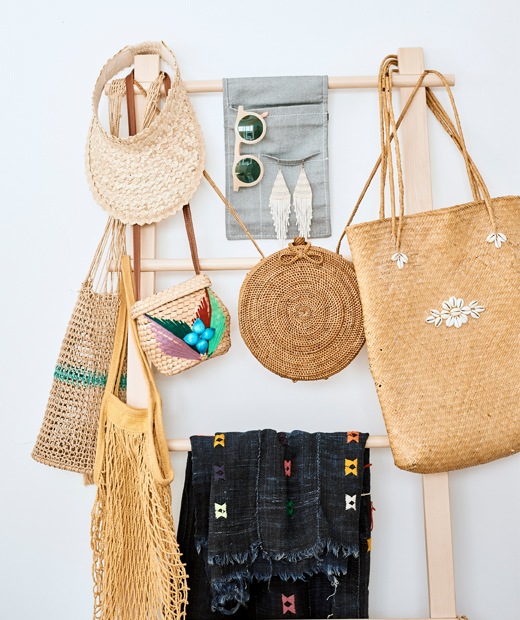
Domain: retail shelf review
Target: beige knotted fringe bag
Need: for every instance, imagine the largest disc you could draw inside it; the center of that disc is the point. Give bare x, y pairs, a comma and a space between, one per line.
440, 291
137, 568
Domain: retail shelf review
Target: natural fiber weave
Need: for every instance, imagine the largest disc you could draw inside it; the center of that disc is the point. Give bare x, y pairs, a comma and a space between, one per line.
147, 177
67, 438
449, 392
137, 569
300, 314
180, 303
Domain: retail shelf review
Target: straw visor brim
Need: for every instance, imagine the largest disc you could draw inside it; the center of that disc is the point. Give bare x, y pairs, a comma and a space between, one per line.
150, 176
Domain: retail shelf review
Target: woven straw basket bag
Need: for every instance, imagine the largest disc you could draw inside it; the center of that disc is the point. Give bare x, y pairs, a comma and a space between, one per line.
185, 324
440, 293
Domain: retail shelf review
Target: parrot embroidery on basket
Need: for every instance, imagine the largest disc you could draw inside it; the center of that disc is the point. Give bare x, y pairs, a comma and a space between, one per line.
179, 339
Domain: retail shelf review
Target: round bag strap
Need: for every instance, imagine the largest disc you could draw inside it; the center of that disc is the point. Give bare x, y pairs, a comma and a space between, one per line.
232, 211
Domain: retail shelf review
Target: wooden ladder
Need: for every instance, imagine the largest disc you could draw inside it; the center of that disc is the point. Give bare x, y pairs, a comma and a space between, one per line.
416, 167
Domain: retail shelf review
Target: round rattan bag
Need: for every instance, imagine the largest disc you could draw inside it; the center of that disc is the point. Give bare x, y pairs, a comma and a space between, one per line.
299, 312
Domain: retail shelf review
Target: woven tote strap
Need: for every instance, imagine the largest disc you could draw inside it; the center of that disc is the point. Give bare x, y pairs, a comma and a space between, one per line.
435, 106
458, 139
379, 161
478, 187
113, 242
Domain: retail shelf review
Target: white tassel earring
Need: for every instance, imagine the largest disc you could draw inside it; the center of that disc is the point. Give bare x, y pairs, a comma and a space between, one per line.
280, 206
303, 204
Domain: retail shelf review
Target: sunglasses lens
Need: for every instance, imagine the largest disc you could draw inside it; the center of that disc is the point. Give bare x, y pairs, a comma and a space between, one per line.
250, 128
248, 170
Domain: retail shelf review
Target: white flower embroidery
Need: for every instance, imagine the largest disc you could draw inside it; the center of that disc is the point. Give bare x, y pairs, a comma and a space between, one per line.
400, 258
497, 238
455, 313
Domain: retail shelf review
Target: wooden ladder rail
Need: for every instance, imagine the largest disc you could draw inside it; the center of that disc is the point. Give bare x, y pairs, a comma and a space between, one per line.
418, 197
416, 167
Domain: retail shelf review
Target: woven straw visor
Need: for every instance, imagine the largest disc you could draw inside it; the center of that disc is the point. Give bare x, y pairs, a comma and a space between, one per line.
147, 177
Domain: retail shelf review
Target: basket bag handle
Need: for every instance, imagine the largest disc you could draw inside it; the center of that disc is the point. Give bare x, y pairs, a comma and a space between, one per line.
388, 133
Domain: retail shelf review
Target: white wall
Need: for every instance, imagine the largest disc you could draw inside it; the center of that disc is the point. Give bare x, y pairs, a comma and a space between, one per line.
51, 53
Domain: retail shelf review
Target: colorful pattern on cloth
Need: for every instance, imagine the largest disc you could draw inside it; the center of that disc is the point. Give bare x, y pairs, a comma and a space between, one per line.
295, 526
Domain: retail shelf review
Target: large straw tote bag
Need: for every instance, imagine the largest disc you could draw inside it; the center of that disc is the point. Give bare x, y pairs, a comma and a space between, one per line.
137, 566
440, 292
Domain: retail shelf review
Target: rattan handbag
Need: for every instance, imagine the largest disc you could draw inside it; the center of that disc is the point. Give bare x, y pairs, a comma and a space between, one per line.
185, 324
440, 293
137, 566
299, 310
67, 438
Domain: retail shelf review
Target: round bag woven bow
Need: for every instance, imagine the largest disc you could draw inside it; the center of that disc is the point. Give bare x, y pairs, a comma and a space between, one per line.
300, 314
144, 178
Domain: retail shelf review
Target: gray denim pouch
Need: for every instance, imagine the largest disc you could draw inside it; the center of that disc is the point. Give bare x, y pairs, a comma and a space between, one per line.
297, 123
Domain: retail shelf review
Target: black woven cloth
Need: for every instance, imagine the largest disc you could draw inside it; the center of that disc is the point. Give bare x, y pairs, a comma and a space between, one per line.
277, 525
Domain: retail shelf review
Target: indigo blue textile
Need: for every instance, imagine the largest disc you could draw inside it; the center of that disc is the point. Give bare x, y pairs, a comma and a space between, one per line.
277, 525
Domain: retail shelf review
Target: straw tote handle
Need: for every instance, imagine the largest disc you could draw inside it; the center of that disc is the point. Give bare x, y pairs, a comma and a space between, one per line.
477, 184
476, 180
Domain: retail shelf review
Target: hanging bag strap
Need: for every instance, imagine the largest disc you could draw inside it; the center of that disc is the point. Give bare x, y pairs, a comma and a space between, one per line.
232, 211
151, 110
136, 229
188, 222
157, 447
389, 127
